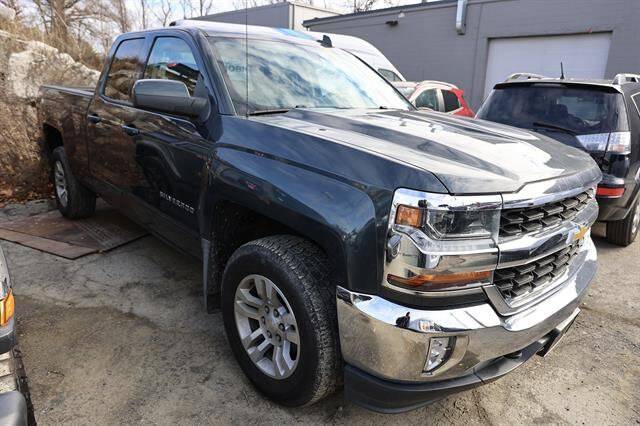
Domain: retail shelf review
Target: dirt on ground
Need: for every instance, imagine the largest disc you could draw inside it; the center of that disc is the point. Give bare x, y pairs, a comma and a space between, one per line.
122, 337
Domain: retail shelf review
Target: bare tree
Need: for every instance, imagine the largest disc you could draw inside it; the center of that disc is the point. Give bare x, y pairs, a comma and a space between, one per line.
187, 8
15, 6
120, 15
165, 12
204, 7
144, 21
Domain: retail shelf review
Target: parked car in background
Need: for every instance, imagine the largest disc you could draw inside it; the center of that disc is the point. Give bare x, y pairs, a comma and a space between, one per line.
348, 238
601, 117
7, 307
435, 95
14, 392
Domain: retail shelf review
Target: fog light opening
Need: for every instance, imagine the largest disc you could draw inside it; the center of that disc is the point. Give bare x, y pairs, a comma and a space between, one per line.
440, 349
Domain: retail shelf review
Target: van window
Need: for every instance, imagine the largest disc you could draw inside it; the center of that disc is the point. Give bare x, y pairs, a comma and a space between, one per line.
122, 72
171, 59
389, 75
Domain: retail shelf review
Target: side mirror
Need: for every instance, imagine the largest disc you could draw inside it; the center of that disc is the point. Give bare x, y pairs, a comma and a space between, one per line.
167, 96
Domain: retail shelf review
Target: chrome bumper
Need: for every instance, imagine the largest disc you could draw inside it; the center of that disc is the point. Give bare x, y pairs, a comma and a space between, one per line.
372, 341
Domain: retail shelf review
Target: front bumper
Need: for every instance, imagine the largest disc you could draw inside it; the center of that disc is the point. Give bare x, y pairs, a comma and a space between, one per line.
7, 336
385, 344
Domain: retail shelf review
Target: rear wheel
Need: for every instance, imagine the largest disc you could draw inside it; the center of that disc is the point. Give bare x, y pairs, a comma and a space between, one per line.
74, 200
280, 318
624, 232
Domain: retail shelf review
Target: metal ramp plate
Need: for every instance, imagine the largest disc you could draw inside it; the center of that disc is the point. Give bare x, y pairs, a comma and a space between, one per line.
52, 233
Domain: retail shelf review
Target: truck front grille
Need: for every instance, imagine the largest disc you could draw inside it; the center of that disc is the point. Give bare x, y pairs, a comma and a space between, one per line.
521, 221
519, 280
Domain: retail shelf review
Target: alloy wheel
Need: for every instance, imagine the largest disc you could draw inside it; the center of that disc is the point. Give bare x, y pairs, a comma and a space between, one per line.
61, 184
267, 326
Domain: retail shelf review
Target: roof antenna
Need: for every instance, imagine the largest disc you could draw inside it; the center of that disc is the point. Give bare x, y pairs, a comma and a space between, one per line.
246, 56
326, 41
561, 71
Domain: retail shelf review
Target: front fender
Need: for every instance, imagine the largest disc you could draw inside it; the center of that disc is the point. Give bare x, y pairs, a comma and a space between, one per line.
333, 213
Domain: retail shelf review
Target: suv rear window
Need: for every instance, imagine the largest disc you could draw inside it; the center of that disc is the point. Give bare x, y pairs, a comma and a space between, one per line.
581, 110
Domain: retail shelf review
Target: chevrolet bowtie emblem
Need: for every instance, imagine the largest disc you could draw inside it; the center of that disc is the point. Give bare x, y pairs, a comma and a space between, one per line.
580, 233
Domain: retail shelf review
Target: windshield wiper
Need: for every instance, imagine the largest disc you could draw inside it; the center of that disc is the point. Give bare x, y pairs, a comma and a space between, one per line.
553, 127
270, 111
275, 110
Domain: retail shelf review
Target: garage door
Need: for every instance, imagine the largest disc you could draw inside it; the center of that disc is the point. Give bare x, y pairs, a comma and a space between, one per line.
583, 56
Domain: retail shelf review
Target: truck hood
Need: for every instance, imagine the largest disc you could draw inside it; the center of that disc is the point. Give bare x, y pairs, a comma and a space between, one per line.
468, 156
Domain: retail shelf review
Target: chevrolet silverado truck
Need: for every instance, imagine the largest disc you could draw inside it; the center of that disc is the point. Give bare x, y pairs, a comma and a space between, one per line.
348, 238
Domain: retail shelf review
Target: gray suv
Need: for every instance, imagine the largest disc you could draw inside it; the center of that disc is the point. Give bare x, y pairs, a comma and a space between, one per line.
601, 117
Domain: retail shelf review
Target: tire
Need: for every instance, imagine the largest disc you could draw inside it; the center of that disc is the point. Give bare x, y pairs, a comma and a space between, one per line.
301, 275
624, 232
73, 199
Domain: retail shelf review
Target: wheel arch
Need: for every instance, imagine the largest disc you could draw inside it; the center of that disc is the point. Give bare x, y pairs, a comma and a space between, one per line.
51, 138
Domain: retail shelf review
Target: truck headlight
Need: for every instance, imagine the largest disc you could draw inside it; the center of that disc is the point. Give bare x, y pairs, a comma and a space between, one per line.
441, 242
448, 224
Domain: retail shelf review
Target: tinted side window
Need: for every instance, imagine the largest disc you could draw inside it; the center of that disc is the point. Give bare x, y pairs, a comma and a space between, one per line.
451, 102
172, 59
122, 72
428, 99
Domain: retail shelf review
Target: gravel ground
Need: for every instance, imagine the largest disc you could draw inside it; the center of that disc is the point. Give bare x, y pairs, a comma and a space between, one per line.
122, 337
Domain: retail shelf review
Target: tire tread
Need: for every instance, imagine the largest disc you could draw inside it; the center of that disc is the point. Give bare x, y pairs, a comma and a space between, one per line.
311, 268
81, 201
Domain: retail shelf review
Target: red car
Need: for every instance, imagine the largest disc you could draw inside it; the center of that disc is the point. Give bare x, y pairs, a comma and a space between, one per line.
435, 95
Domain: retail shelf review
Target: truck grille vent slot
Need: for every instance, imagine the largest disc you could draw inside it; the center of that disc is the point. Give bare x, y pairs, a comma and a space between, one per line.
522, 279
521, 221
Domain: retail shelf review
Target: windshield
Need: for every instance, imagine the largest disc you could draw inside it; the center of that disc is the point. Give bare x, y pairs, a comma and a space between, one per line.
286, 75
574, 110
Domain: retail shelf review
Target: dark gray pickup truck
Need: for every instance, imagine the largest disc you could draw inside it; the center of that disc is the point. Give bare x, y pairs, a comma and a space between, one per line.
347, 237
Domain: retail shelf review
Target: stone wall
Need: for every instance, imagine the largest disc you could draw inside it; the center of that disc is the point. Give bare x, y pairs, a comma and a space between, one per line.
24, 66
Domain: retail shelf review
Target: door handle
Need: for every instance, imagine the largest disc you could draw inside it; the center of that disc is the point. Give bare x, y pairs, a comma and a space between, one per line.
93, 118
130, 130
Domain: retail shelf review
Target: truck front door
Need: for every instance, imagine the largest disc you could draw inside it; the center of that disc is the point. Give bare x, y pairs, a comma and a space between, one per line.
171, 151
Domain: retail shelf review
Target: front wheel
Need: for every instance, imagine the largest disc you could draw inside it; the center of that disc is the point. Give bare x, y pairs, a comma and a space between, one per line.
624, 232
280, 319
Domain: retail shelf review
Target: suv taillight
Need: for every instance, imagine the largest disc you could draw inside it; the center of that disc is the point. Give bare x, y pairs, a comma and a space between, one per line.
616, 142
